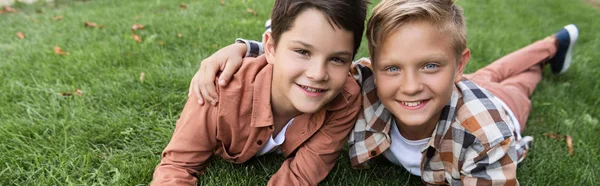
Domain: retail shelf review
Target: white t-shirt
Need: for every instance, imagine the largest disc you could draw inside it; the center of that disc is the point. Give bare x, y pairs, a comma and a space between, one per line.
273, 143
405, 152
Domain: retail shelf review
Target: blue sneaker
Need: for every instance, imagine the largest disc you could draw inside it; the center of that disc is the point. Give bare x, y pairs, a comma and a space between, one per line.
567, 37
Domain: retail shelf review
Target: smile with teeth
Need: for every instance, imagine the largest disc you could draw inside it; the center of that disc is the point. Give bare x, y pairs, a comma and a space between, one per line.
412, 104
311, 89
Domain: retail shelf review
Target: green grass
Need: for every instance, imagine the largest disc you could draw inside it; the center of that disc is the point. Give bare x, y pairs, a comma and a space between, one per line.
114, 133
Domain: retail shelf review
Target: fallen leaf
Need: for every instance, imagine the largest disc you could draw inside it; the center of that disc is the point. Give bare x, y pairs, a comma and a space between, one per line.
554, 135
137, 27
161, 43
59, 51
90, 24
142, 77
20, 35
182, 6
179, 35
57, 18
222, 2
570, 144
75, 92
38, 11
251, 11
136, 37
79, 92
8, 9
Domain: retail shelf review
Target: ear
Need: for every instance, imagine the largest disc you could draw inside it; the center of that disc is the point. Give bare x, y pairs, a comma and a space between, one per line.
269, 45
462, 63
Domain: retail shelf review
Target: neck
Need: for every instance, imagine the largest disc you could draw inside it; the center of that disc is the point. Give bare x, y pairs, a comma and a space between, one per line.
417, 132
283, 111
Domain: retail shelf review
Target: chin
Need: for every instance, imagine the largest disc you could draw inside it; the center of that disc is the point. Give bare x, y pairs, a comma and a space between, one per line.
309, 109
413, 120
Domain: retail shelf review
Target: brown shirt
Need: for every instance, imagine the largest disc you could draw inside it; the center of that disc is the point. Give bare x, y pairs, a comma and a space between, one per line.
242, 122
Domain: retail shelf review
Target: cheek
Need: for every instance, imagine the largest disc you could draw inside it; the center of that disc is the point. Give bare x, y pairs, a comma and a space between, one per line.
386, 86
338, 75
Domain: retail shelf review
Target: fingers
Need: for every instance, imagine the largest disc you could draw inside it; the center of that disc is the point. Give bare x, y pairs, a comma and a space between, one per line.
232, 65
207, 83
194, 88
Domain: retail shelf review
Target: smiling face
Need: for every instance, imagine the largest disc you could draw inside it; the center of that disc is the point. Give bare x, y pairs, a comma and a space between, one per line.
415, 71
310, 63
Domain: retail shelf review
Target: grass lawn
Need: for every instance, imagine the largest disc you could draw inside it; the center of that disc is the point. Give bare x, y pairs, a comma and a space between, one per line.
114, 132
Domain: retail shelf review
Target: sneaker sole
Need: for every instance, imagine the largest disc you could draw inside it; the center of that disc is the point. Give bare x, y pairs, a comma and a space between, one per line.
573, 34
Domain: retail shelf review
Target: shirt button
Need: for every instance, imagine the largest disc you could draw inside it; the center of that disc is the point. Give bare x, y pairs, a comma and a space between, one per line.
259, 142
373, 153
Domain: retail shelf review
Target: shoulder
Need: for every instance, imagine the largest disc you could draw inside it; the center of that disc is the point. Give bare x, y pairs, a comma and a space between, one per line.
481, 117
252, 71
348, 98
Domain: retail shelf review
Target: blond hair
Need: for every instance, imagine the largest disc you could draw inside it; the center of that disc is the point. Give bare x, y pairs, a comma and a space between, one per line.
389, 15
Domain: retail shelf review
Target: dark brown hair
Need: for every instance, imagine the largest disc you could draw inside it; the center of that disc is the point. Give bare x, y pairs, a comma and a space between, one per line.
346, 14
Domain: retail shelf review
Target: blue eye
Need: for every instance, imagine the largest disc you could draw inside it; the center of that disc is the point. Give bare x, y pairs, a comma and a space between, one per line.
393, 69
430, 66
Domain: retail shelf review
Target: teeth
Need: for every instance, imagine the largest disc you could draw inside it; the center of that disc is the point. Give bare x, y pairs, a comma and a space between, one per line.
311, 89
412, 104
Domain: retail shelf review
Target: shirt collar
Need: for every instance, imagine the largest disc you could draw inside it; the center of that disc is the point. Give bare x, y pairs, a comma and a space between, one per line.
262, 116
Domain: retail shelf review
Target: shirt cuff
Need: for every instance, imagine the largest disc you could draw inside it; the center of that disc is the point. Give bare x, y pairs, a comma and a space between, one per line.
253, 48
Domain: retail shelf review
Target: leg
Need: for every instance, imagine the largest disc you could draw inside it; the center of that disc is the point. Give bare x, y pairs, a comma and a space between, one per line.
516, 91
519, 61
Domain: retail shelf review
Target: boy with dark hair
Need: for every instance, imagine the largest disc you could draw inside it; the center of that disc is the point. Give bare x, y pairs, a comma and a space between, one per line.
298, 99
422, 113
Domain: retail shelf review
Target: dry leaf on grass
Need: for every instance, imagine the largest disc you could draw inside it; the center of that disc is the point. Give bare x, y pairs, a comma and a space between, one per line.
222, 2
570, 144
136, 37
137, 27
90, 24
567, 138
554, 135
251, 11
161, 43
142, 77
8, 9
38, 11
179, 35
20, 35
57, 18
183, 6
59, 51
75, 92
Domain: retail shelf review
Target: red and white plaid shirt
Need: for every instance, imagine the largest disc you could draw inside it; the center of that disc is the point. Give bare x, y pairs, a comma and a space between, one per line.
473, 143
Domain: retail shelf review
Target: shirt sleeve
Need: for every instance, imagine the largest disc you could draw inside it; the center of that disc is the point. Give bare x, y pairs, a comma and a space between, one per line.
253, 48
495, 166
192, 144
317, 156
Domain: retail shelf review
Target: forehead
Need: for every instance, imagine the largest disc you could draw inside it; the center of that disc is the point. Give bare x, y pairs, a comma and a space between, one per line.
313, 26
416, 41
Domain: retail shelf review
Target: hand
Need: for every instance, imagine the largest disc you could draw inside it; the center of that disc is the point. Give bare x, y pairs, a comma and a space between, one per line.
228, 60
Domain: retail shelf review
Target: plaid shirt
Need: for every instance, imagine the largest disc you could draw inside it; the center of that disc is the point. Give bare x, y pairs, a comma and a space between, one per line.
473, 143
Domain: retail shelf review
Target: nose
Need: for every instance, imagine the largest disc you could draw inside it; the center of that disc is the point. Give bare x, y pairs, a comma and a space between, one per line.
411, 84
317, 71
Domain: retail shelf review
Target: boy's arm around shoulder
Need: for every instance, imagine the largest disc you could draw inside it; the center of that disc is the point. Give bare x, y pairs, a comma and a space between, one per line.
316, 157
192, 144
487, 164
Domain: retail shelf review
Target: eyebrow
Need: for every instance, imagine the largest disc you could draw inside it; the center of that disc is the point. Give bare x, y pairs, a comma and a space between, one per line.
309, 46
